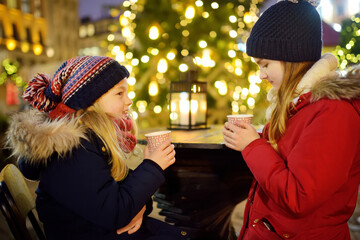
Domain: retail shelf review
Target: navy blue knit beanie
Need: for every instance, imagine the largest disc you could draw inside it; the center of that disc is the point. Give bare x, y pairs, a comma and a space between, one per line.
289, 31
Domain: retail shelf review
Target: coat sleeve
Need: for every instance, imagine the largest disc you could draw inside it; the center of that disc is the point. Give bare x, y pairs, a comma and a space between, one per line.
149, 204
317, 165
83, 184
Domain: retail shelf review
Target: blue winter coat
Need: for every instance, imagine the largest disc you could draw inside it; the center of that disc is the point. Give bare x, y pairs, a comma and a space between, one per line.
77, 198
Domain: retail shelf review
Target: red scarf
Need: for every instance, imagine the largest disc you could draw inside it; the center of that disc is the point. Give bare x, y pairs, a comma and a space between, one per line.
123, 127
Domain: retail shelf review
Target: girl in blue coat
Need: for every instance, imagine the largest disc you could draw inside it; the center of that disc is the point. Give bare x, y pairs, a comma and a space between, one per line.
75, 141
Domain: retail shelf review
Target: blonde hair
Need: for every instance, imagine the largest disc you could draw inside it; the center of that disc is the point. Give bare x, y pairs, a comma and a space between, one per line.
98, 121
293, 73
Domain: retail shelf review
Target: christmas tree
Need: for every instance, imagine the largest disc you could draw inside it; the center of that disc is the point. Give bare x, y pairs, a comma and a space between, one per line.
163, 38
348, 50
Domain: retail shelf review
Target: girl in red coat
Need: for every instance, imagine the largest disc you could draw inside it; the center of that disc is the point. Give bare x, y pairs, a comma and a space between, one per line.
306, 163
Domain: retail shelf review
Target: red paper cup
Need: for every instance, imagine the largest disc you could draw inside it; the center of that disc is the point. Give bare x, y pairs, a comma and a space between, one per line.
235, 119
154, 139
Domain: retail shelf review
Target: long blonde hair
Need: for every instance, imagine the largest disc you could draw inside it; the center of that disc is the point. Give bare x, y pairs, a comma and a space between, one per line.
98, 121
293, 73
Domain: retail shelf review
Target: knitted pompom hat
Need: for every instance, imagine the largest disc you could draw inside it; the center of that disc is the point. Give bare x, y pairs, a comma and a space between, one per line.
76, 85
289, 31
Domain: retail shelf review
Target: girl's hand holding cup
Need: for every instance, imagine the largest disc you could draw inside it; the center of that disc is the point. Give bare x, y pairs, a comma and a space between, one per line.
238, 132
159, 149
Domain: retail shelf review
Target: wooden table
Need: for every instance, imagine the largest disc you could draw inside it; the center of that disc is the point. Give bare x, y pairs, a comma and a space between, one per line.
204, 185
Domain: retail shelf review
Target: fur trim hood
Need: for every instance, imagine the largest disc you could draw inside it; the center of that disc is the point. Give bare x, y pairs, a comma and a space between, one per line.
323, 81
33, 136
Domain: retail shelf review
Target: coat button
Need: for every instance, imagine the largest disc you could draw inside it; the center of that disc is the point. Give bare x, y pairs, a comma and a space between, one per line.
256, 220
183, 233
103, 149
285, 235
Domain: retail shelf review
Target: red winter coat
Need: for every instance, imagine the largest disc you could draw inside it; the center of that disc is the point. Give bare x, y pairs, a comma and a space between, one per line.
308, 190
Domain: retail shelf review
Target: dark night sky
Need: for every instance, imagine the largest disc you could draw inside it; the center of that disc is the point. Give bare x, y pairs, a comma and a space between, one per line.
94, 8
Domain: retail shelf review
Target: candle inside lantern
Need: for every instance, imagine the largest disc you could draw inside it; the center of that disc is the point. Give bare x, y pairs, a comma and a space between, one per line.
202, 110
184, 108
194, 111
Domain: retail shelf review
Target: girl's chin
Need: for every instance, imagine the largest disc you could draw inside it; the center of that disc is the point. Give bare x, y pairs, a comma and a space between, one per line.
125, 115
118, 116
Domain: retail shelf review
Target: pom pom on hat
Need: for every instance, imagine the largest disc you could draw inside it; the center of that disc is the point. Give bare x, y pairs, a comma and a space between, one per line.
76, 85
315, 3
35, 93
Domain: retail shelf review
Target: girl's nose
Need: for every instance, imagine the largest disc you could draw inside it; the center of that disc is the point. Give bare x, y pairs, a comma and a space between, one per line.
129, 102
263, 75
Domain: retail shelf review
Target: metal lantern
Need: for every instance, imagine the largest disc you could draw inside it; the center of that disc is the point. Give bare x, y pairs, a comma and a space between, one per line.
188, 104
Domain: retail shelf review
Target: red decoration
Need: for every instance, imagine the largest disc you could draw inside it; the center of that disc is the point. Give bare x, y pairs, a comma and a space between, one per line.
12, 94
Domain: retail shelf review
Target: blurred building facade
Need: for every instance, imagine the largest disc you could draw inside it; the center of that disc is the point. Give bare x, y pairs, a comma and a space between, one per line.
334, 11
37, 35
96, 35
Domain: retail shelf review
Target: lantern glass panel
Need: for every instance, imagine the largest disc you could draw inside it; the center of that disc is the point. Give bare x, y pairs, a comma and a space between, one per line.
188, 105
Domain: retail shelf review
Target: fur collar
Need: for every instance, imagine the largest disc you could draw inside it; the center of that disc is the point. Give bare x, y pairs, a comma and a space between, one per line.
33, 136
324, 82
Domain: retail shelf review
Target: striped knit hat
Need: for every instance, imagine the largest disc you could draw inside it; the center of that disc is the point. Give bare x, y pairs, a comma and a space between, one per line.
289, 31
76, 85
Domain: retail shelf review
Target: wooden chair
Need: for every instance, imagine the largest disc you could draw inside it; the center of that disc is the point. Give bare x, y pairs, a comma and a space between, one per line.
17, 204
